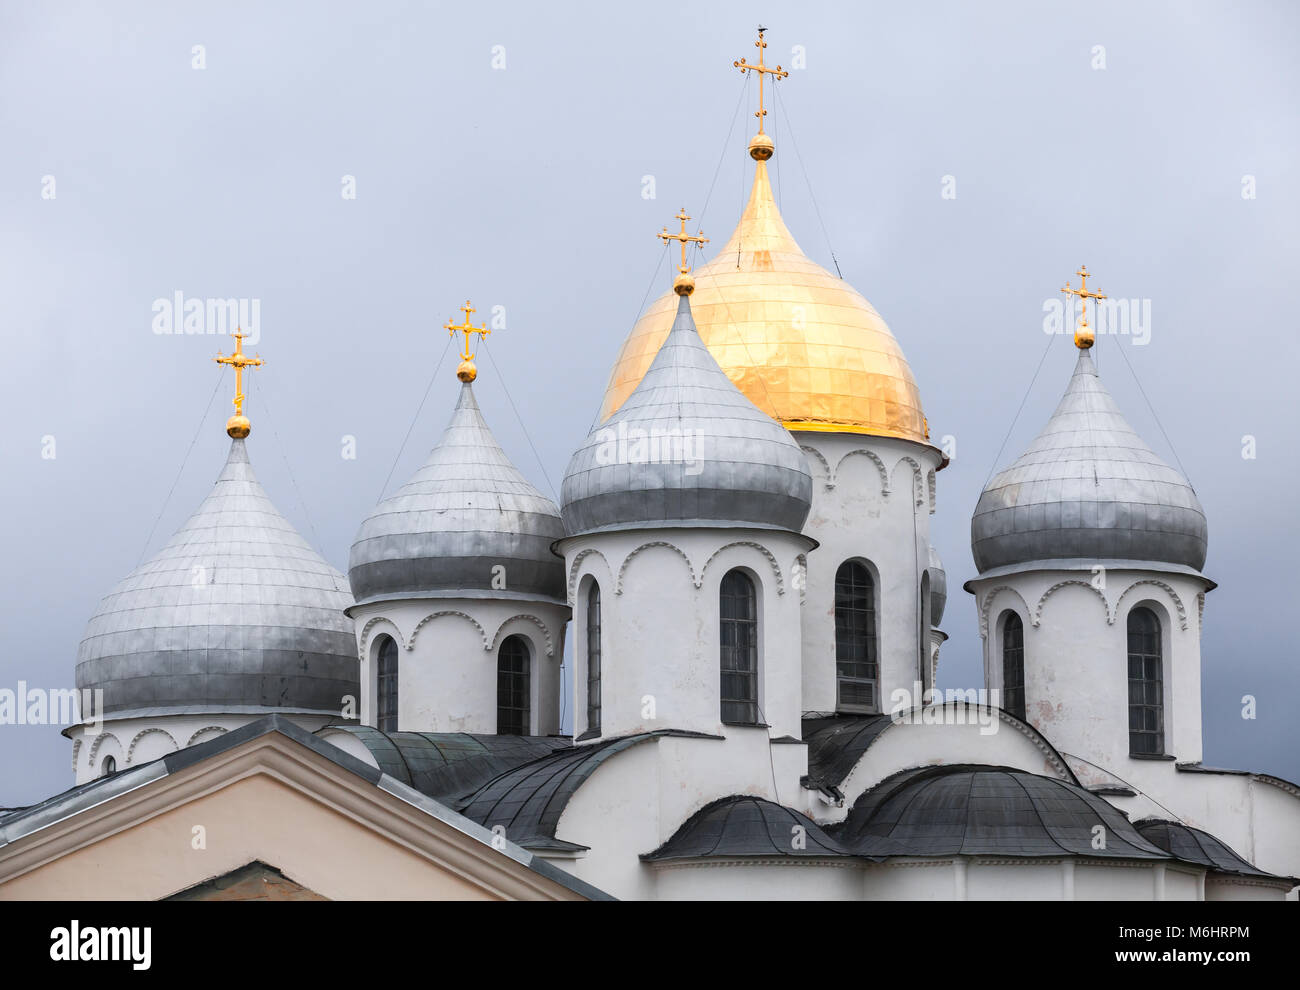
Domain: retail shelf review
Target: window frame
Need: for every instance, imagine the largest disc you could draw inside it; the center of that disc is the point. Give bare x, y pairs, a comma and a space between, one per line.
1152, 689
1008, 699
738, 635
522, 717
870, 638
594, 656
387, 684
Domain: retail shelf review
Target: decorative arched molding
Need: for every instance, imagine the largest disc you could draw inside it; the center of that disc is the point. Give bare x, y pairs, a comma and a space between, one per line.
690, 569
800, 576
130, 753
930, 483
546, 633
875, 459
578, 558
1168, 589
1200, 612
771, 559
918, 477
76, 750
1038, 609
826, 465
987, 603
99, 741
220, 730
365, 634
448, 611
1054, 759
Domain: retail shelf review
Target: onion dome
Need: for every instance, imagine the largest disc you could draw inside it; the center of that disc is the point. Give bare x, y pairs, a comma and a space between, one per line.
687, 448
802, 345
465, 522
1088, 487
974, 810
938, 587
236, 612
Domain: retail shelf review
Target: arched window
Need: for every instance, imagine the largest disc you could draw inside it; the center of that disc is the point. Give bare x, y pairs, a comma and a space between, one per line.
109, 767
513, 688
857, 669
1146, 707
739, 649
923, 635
1013, 665
386, 678
593, 658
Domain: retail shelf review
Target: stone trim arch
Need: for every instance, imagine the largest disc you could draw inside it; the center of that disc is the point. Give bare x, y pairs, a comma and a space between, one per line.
130, 753
546, 633
917, 476
76, 750
1200, 612
875, 458
1178, 602
690, 568
578, 558
221, 730
987, 604
94, 747
771, 559
801, 568
365, 634
826, 465
930, 483
448, 611
1038, 609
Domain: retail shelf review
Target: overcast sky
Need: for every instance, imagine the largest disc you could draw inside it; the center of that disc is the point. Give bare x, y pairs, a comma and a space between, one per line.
521, 186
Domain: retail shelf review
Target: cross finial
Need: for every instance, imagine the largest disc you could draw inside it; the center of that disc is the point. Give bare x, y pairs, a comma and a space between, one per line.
1083, 335
761, 147
467, 371
683, 285
238, 426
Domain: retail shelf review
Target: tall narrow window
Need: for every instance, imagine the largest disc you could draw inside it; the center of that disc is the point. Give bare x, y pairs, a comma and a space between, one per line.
512, 688
1013, 665
1146, 708
856, 663
110, 766
739, 649
386, 677
593, 658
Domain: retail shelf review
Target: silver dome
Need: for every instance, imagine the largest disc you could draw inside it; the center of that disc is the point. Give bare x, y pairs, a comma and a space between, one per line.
466, 513
1088, 487
687, 447
237, 611
938, 587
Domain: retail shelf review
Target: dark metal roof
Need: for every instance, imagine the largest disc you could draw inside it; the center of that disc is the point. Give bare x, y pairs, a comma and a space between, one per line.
1194, 845
835, 744
450, 765
528, 800
747, 826
973, 810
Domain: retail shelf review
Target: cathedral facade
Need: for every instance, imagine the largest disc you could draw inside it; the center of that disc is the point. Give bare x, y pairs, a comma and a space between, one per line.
741, 571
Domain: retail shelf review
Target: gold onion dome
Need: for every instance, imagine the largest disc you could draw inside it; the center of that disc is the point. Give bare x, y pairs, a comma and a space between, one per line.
801, 344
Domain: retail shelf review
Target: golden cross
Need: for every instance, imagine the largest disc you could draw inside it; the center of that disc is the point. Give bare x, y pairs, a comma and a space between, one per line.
466, 328
239, 361
1083, 337
762, 70
683, 237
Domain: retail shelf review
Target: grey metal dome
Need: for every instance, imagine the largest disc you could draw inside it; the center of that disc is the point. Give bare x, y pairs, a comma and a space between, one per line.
236, 612
687, 448
1088, 487
938, 587
464, 515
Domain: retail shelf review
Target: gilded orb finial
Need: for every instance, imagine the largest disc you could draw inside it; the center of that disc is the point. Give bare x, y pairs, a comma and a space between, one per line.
237, 426
1083, 334
761, 147
467, 370
683, 284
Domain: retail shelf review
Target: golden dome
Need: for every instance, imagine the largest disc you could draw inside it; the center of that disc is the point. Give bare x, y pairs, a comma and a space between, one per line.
801, 344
